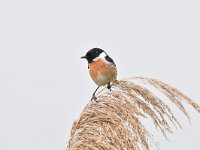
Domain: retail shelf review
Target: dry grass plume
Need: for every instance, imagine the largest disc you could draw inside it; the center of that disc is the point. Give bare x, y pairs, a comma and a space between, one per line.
115, 122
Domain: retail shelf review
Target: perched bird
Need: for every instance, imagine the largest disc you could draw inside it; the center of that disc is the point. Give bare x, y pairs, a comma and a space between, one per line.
101, 67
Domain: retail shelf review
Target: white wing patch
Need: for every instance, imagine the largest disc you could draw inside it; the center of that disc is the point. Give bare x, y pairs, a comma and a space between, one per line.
101, 56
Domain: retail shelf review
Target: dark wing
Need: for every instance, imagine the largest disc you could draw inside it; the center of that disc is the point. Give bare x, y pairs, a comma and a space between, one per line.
110, 60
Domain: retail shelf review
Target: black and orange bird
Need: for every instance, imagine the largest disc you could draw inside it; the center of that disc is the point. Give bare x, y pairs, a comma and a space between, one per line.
101, 67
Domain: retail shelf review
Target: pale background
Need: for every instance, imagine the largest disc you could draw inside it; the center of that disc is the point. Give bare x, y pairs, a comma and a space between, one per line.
44, 85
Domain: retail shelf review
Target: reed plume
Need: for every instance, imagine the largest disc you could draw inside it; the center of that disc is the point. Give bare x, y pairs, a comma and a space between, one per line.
115, 121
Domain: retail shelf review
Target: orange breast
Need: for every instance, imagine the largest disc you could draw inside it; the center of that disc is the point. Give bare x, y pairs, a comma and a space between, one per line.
102, 73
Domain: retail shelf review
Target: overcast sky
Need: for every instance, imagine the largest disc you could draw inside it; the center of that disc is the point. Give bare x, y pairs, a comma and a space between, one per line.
44, 85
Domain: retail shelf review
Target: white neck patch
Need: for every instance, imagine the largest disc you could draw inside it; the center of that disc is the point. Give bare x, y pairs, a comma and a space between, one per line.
101, 56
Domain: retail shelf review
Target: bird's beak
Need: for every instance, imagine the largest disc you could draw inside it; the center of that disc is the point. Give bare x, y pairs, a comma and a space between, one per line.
84, 57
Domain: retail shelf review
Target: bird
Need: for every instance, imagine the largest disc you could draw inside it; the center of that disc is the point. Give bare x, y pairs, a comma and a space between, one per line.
102, 68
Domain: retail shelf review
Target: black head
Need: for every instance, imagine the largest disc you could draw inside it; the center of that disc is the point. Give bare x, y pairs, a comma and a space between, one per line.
92, 54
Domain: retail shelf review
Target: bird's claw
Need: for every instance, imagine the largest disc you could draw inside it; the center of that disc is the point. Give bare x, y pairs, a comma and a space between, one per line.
109, 87
94, 98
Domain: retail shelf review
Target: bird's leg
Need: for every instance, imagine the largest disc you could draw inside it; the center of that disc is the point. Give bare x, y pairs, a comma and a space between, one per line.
109, 86
93, 95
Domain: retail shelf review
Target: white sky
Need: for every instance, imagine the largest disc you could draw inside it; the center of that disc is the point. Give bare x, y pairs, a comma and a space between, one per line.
44, 85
